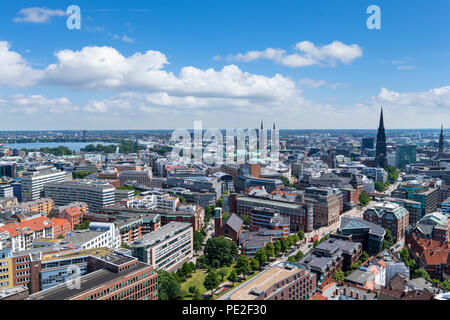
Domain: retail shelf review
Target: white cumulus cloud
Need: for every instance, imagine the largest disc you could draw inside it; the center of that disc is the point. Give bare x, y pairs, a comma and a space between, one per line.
38, 15
308, 54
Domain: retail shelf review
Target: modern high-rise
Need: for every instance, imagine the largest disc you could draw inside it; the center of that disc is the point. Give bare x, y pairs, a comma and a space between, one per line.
380, 152
34, 179
96, 194
405, 155
6, 190
367, 143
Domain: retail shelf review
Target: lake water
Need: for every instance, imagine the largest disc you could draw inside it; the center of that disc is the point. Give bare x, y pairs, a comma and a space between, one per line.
74, 146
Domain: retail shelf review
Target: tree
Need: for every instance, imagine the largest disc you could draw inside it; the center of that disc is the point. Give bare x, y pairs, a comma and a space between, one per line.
261, 256
83, 226
198, 239
243, 265
277, 247
392, 174
192, 289
301, 235
284, 244
421, 273
182, 199
209, 211
254, 264
404, 254
245, 219
270, 250
201, 262
299, 255
225, 215
81, 174
292, 259
222, 274
364, 198
388, 239
212, 280
125, 245
168, 286
220, 252
339, 276
233, 276
315, 243
220, 202
380, 186
446, 285
196, 295
364, 256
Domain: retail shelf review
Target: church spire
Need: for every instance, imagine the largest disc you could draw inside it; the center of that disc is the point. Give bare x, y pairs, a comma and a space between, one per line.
441, 140
380, 152
381, 119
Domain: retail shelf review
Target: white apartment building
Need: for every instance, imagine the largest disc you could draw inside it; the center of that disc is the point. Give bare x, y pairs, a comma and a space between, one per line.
95, 193
20, 236
33, 181
99, 235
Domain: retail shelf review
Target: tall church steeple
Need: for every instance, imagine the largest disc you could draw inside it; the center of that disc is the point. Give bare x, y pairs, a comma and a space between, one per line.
380, 155
441, 140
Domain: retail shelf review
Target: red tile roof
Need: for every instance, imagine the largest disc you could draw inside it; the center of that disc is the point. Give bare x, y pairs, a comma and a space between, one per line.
27, 226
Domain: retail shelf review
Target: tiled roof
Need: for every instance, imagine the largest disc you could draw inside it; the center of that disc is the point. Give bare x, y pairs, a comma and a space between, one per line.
27, 226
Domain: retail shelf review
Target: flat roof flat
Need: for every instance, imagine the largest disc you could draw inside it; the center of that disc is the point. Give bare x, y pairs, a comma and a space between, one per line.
263, 281
88, 282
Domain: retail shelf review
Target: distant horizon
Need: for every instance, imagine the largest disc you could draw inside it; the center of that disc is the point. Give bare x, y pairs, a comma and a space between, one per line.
204, 129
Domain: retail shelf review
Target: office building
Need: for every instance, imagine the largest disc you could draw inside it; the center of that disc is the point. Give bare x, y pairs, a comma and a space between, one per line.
96, 194
405, 155
166, 248
282, 281
139, 177
327, 205
6, 190
370, 235
368, 143
34, 180
117, 277
390, 216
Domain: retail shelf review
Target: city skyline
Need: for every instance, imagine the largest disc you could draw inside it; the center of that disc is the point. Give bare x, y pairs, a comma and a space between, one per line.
163, 66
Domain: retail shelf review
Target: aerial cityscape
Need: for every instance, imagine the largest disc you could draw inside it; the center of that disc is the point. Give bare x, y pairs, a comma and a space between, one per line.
319, 172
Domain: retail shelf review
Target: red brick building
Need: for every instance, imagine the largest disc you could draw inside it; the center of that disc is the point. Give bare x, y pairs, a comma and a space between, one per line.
61, 227
432, 255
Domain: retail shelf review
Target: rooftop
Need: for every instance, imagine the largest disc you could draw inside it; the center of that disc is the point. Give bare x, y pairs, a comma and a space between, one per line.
263, 281
87, 282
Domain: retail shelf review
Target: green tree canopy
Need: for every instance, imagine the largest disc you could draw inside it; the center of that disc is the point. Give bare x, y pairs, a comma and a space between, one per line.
243, 264
220, 250
198, 239
364, 198
212, 280
270, 250
168, 286
261, 256
388, 239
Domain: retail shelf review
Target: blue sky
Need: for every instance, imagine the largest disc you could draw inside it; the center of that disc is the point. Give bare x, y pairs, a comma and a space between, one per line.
201, 69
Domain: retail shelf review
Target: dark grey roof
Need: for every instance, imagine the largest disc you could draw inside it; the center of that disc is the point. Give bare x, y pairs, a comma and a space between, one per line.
234, 222
359, 277
356, 223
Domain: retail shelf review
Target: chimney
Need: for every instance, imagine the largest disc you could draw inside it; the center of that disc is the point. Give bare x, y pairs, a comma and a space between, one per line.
351, 293
357, 295
345, 291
